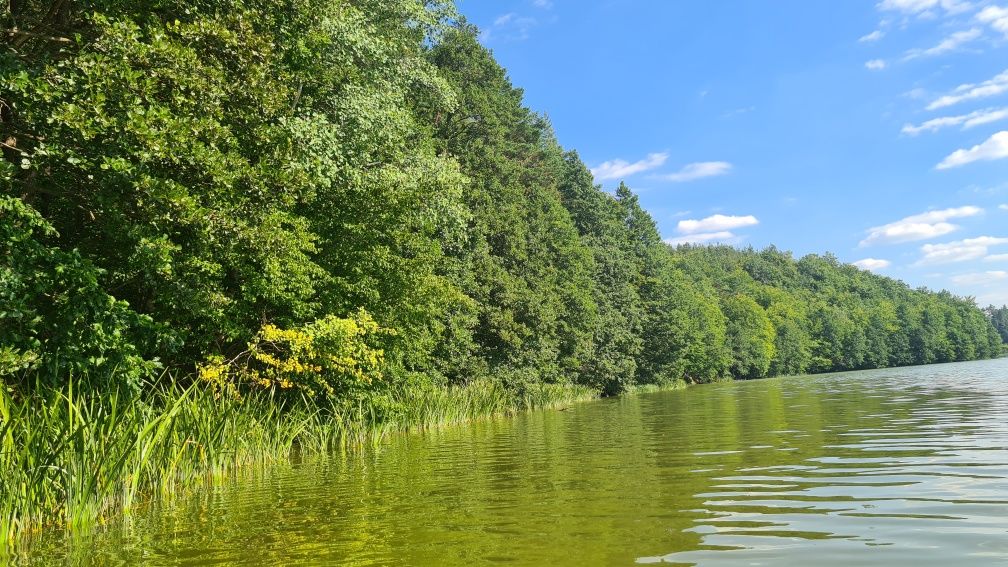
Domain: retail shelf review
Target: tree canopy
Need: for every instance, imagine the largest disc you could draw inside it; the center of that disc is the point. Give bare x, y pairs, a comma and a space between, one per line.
237, 190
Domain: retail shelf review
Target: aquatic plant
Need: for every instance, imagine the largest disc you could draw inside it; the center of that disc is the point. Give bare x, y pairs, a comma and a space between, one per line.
71, 461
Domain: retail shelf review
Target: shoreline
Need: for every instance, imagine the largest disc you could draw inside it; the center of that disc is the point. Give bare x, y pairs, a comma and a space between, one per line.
158, 450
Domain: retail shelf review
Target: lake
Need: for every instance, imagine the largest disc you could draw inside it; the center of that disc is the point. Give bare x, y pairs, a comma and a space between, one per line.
904, 466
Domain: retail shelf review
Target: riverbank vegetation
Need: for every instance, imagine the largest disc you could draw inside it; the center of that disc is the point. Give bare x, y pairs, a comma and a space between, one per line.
233, 230
74, 460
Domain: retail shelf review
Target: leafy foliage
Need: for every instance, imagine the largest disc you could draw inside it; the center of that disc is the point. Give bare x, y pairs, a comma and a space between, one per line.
232, 163
55, 318
750, 337
824, 315
342, 199
326, 360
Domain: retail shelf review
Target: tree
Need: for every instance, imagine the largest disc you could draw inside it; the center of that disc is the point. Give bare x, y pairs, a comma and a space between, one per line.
231, 164
523, 265
750, 337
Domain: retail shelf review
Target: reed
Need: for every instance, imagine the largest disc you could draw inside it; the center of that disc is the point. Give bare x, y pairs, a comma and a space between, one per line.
435, 407
73, 461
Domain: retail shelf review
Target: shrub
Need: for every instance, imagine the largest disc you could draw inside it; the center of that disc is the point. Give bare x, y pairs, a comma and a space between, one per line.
330, 359
56, 321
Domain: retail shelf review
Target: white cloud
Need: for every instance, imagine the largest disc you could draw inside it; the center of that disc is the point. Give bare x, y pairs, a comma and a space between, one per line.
996, 17
738, 111
872, 264
509, 27
617, 168
995, 147
980, 278
993, 298
976, 118
970, 91
931, 224
950, 43
924, 7
699, 170
1003, 207
716, 223
715, 228
873, 36
875, 64
701, 238
959, 250
996, 258
544, 4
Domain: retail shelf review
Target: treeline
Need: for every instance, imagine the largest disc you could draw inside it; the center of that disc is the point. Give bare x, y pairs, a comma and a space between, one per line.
828, 316
332, 198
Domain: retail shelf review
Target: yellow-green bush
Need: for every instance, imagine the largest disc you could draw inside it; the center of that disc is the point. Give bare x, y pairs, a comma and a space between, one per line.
332, 357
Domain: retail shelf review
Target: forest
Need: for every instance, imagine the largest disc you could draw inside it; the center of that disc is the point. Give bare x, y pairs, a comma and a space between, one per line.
343, 209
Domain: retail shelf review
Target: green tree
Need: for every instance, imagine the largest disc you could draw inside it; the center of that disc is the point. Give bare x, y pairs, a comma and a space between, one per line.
523, 266
56, 321
750, 337
227, 164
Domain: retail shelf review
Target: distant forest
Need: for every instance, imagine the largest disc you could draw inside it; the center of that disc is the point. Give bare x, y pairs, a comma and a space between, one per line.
331, 198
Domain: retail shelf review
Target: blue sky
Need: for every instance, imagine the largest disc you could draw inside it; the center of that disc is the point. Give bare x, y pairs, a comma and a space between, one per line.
877, 130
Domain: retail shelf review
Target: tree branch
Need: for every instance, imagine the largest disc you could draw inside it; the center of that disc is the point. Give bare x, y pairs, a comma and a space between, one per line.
26, 34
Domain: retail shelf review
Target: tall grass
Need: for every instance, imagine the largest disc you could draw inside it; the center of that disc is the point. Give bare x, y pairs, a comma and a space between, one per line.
69, 461
436, 407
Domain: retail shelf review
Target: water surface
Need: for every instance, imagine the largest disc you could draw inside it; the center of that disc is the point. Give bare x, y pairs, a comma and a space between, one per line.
889, 467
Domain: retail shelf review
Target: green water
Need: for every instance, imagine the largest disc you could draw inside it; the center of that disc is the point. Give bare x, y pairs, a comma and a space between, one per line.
890, 467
